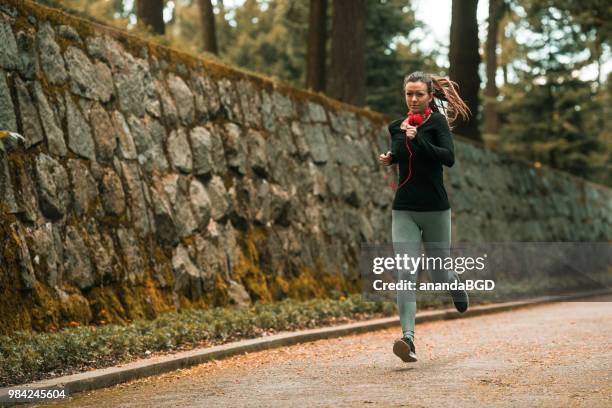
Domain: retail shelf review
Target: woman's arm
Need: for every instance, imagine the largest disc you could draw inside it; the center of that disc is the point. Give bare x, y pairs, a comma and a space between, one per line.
393, 158
444, 152
393, 148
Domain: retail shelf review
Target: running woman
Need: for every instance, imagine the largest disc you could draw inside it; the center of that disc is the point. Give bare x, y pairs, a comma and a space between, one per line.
421, 143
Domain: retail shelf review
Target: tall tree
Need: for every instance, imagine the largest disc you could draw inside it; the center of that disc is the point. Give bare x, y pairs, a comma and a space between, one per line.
464, 59
347, 79
391, 54
491, 120
269, 37
549, 114
508, 47
207, 21
317, 36
150, 13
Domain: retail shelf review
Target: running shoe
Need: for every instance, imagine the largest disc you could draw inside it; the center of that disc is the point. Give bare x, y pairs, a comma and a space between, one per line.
461, 300
404, 349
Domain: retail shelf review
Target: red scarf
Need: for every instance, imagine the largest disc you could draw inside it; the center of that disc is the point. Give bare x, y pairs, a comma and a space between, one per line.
413, 119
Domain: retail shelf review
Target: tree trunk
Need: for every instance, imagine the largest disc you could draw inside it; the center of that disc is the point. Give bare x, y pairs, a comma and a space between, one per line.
347, 69
150, 13
207, 21
315, 70
491, 118
464, 59
598, 54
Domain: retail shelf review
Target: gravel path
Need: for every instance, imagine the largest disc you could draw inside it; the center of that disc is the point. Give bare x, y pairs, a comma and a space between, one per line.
554, 355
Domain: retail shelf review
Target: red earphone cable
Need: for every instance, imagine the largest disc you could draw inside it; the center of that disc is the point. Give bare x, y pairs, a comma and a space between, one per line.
394, 186
413, 120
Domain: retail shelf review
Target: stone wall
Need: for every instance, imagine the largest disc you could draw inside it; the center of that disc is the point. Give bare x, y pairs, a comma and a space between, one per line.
152, 180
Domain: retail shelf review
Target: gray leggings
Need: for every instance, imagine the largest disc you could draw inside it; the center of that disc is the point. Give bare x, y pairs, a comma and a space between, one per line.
407, 227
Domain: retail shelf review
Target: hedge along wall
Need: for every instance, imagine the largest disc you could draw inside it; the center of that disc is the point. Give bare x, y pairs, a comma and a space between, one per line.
152, 180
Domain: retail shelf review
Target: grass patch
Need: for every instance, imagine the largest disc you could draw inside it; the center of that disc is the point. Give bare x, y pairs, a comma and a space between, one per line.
26, 357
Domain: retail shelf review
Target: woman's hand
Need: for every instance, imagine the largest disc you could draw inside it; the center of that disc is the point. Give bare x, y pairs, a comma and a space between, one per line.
385, 159
411, 131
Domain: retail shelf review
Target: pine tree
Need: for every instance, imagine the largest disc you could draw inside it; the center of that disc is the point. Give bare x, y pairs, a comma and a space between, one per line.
317, 40
207, 26
347, 70
550, 115
391, 54
150, 14
464, 59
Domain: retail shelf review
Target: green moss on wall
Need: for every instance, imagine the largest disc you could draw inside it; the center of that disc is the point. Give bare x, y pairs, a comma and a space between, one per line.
45, 311
105, 306
15, 303
247, 268
266, 287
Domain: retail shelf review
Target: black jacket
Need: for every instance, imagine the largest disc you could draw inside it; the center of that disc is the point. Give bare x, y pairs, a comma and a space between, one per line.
431, 148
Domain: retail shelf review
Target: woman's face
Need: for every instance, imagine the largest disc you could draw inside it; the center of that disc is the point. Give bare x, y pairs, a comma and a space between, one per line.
417, 98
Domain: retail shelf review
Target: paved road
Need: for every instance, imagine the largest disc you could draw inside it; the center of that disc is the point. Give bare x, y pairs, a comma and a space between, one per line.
554, 355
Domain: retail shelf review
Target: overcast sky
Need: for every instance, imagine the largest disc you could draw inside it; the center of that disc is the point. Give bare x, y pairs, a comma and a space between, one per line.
438, 18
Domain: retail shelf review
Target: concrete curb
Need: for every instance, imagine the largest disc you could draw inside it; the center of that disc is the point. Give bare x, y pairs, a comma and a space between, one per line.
107, 377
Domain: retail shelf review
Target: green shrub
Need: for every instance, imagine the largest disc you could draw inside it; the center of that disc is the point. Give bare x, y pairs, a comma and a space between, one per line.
26, 357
